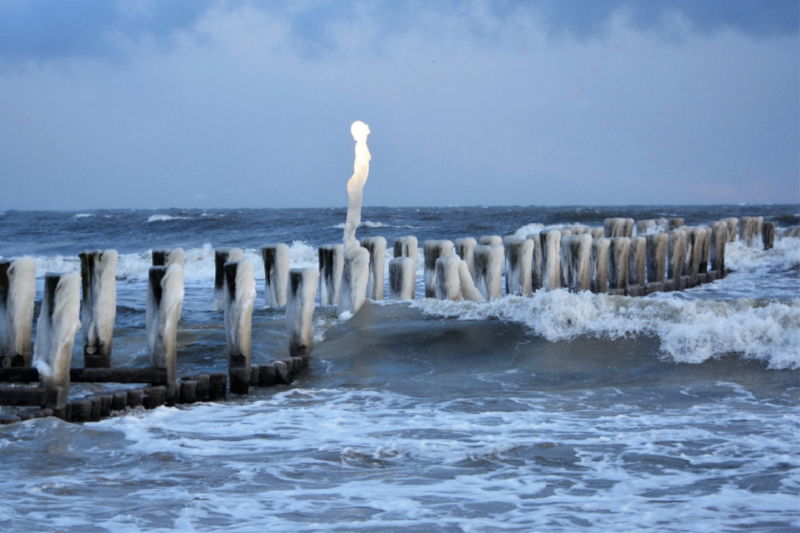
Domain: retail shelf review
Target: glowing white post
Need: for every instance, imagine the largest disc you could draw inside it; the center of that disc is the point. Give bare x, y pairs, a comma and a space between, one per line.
276, 273
489, 270
240, 295
465, 249
433, 250
599, 281
402, 278
576, 255
519, 253
376, 246
222, 256
300, 295
331, 265
17, 295
99, 310
163, 312
55, 335
355, 273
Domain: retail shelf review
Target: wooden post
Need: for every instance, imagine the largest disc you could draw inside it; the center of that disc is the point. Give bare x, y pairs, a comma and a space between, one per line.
240, 295
520, 266
675, 258
98, 270
402, 278
619, 250
576, 261
433, 250
276, 273
164, 303
222, 256
599, 280
302, 291
331, 265
489, 270
376, 246
465, 249
17, 295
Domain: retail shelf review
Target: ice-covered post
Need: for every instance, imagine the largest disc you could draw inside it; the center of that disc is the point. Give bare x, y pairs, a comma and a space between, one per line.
490, 240
719, 239
599, 281
402, 278
536, 263
695, 238
17, 295
619, 251
55, 336
465, 249
167, 257
331, 265
98, 269
768, 235
733, 228
657, 245
706, 253
376, 246
747, 229
576, 255
163, 312
433, 250
240, 295
276, 273
448, 284
675, 257
301, 292
674, 223
520, 266
489, 270
596, 233
551, 259
222, 256
355, 271
637, 270
643, 226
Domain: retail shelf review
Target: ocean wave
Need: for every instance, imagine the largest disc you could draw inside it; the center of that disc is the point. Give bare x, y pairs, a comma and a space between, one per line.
83, 215
370, 224
690, 331
164, 218
785, 255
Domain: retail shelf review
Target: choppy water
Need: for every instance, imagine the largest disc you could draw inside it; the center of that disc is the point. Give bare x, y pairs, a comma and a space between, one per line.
560, 412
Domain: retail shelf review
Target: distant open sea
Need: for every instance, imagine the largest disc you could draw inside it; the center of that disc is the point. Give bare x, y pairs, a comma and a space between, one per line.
559, 412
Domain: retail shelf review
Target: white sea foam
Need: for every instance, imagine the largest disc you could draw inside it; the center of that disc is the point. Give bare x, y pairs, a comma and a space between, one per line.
690, 331
785, 255
83, 215
367, 224
164, 218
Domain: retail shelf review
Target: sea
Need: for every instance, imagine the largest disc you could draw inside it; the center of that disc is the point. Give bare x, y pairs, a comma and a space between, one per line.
675, 412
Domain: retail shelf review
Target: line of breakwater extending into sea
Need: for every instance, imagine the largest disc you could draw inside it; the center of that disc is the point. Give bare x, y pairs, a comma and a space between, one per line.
621, 258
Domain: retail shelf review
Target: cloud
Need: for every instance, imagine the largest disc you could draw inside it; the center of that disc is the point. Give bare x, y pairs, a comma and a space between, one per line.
43, 30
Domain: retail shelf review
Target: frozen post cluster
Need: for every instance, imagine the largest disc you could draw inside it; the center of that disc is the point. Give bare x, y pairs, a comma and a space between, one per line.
276, 273
17, 295
240, 295
355, 272
98, 270
164, 303
55, 336
301, 292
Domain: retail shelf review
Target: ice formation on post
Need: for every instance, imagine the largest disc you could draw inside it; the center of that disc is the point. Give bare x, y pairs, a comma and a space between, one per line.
276, 273
706, 251
643, 227
300, 295
619, 250
637, 270
402, 278
747, 230
519, 254
331, 264
576, 255
656, 251
489, 270
733, 228
240, 295
408, 247
168, 257
163, 312
597, 233
599, 275
674, 223
222, 256
491, 240
768, 235
376, 246
59, 321
98, 276
355, 272
536, 262
695, 238
719, 240
448, 284
433, 250
551, 259
675, 257
465, 249
17, 295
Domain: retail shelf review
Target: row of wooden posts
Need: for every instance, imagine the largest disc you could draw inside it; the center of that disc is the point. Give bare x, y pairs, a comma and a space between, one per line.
609, 259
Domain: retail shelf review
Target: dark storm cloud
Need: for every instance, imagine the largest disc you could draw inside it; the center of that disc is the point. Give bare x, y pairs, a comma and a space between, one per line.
44, 29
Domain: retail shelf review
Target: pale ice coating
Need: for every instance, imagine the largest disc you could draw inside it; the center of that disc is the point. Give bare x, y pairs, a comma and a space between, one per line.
59, 321
239, 309
300, 295
100, 302
355, 185
19, 309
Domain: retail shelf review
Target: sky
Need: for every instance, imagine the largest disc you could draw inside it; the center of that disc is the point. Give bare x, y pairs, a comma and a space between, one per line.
242, 104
